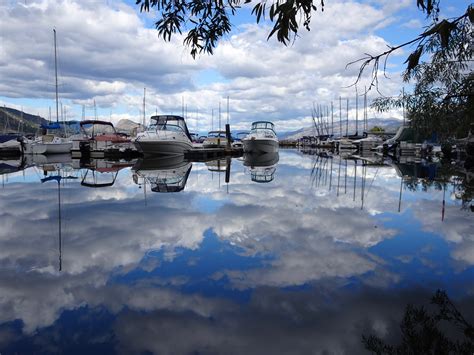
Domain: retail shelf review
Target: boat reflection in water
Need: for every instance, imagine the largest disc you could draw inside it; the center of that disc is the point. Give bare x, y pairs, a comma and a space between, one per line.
41, 159
262, 167
164, 174
9, 165
101, 172
218, 165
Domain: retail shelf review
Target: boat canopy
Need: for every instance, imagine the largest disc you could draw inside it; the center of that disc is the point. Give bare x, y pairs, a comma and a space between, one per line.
94, 127
93, 122
52, 125
263, 125
216, 134
168, 122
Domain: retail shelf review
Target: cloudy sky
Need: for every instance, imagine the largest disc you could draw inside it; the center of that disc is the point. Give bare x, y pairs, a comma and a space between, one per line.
109, 52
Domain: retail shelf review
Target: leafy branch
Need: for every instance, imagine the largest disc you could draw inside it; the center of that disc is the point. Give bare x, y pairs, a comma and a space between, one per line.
441, 32
209, 20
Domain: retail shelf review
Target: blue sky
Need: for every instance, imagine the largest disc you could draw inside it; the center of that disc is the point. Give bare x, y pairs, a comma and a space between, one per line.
109, 51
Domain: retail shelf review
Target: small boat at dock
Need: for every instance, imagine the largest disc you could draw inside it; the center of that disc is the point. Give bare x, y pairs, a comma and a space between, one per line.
10, 144
99, 139
168, 135
215, 139
261, 139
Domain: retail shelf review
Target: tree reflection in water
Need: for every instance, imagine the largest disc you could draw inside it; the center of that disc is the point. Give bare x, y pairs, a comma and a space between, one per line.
442, 331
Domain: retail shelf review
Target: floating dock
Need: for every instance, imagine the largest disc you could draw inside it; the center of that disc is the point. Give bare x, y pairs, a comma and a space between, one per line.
203, 154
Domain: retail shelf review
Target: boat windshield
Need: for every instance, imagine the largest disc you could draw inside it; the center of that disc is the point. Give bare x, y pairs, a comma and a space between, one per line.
241, 135
169, 123
167, 182
262, 176
216, 134
263, 125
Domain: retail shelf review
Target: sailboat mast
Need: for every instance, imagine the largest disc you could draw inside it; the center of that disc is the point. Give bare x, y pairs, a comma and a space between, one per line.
357, 112
56, 76
227, 109
59, 227
144, 95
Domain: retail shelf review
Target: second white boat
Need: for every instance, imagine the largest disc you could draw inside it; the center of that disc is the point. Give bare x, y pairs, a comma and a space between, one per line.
261, 139
168, 135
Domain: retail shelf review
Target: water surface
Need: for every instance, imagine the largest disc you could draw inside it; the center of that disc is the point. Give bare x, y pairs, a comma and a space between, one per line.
300, 254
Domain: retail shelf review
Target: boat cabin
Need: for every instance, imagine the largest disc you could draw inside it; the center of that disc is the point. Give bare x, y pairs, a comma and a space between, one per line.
169, 123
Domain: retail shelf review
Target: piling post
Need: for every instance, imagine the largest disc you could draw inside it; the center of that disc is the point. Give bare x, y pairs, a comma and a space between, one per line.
228, 135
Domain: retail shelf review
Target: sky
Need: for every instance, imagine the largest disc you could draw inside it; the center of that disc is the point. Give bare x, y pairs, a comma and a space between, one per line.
109, 52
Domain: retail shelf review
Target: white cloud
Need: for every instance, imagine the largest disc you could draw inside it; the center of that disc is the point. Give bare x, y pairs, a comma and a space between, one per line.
108, 55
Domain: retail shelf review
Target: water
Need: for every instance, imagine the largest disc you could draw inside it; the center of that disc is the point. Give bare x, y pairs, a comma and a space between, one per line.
302, 256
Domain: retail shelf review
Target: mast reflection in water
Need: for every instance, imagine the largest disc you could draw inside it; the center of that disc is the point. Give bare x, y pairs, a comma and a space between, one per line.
331, 250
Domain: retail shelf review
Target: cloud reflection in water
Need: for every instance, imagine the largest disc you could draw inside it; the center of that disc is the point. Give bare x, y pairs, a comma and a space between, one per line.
283, 267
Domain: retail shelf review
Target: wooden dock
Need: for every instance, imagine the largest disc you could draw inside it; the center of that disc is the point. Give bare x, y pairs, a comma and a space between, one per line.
204, 154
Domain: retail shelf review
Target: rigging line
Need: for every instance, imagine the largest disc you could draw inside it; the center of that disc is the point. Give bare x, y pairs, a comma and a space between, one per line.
375, 175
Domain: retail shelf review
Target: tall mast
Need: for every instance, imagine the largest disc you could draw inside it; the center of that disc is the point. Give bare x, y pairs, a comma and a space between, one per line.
347, 117
227, 109
332, 121
366, 123
340, 116
144, 95
56, 75
357, 113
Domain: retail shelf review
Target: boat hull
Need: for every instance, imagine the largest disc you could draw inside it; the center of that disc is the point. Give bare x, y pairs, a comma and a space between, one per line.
47, 148
163, 147
260, 146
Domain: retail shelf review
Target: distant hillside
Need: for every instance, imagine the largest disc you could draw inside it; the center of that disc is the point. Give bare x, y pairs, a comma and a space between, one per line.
389, 125
12, 120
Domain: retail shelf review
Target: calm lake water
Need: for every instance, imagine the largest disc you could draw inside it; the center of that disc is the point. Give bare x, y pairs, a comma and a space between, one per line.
296, 254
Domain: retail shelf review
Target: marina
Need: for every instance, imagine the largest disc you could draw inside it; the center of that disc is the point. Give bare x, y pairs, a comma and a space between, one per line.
172, 232
217, 177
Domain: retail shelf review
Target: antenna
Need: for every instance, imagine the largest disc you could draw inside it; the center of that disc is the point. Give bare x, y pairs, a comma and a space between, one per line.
366, 121
347, 117
144, 96
219, 115
182, 105
56, 75
332, 120
227, 109
357, 112
340, 116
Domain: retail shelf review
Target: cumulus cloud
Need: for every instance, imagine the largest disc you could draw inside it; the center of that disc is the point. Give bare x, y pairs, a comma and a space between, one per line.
108, 54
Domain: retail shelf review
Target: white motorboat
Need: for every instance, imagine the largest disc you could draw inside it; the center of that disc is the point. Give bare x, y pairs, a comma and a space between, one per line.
215, 139
261, 139
169, 135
